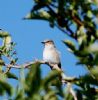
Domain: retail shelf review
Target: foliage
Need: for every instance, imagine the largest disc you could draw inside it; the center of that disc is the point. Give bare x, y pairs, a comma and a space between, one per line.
31, 87
78, 20
7, 54
38, 88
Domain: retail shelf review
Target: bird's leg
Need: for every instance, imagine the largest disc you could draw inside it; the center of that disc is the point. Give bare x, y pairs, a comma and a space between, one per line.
55, 66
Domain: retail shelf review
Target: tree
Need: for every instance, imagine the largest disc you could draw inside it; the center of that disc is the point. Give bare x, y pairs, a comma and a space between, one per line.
78, 20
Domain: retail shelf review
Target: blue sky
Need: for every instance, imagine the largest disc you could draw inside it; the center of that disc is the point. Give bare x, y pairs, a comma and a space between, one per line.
28, 35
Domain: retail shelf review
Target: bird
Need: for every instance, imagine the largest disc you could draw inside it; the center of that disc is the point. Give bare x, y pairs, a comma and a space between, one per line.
51, 54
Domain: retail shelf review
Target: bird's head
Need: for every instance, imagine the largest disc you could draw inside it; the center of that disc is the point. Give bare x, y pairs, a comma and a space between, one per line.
48, 42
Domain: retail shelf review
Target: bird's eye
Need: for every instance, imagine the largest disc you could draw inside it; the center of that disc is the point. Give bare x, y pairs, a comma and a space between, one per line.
48, 41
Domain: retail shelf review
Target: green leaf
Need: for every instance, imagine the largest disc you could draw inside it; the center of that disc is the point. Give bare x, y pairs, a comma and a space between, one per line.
79, 94
11, 75
4, 34
89, 14
19, 95
95, 72
37, 7
53, 75
6, 87
70, 45
81, 35
7, 40
3, 76
36, 96
39, 16
33, 79
85, 58
1, 90
51, 95
44, 2
87, 79
44, 14
1, 62
69, 96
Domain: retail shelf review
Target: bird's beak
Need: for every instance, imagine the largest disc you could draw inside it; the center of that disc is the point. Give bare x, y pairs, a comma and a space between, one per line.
43, 42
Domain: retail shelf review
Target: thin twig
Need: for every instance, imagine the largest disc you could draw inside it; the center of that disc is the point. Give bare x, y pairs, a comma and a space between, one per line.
69, 85
10, 65
65, 31
90, 72
7, 70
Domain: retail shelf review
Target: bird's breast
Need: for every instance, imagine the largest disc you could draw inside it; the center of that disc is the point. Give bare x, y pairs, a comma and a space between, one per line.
51, 56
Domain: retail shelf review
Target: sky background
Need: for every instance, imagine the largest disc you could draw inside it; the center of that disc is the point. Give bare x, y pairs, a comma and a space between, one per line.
28, 35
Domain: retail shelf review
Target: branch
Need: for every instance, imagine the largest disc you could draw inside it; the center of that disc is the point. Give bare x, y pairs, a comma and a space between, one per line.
65, 79
11, 63
27, 65
70, 89
52, 66
90, 72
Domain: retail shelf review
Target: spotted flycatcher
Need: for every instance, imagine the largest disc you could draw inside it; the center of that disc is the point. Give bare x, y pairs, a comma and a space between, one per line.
50, 53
